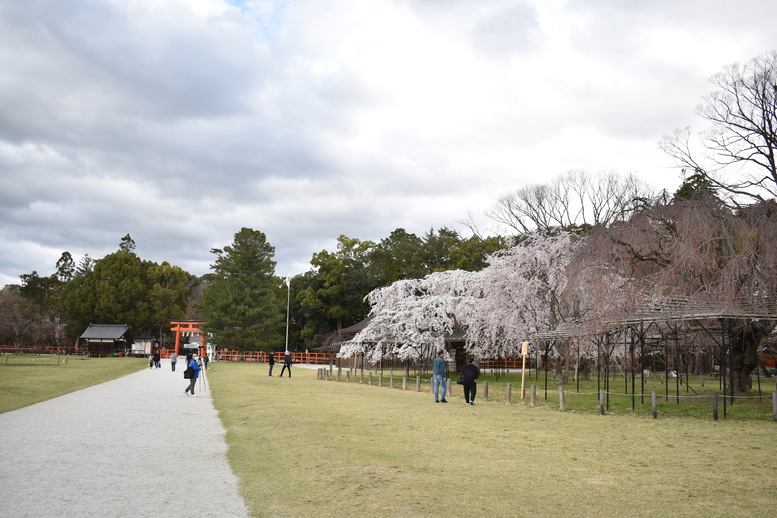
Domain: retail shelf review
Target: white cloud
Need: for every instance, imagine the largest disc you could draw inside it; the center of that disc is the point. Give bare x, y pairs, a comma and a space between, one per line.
181, 121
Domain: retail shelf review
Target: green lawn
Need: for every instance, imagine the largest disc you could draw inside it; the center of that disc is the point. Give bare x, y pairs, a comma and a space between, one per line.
29, 379
305, 447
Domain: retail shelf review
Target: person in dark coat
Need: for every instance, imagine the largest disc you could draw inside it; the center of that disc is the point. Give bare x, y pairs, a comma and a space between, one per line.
271, 361
286, 363
470, 373
157, 359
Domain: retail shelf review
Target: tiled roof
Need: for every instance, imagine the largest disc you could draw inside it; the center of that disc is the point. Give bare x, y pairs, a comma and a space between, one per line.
105, 331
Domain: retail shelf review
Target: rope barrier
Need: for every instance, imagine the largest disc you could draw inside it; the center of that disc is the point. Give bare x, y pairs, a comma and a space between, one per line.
621, 394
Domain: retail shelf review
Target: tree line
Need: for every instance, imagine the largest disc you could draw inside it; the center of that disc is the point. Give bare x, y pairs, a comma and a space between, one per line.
242, 300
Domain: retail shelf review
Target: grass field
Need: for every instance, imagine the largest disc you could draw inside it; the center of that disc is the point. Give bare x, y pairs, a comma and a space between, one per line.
674, 399
306, 447
29, 379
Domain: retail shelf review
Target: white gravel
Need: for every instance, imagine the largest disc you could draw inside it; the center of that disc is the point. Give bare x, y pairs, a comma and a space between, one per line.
135, 447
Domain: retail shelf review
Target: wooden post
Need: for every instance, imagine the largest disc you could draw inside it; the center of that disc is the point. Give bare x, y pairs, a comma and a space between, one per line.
601, 402
533, 400
448, 386
339, 374
485, 391
362, 377
561, 400
380, 379
509, 395
702, 380
404, 382
391, 380
348, 376
418, 383
370, 378
524, 352
714, 406
654, 403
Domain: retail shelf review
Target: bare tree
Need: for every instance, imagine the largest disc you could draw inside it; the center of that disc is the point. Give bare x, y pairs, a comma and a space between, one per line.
20, 324
741, 140
573, 201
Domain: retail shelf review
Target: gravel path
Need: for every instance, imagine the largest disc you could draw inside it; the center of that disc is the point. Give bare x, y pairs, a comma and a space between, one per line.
133, 447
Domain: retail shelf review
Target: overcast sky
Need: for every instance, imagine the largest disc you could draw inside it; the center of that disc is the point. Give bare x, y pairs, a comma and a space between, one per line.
181, 121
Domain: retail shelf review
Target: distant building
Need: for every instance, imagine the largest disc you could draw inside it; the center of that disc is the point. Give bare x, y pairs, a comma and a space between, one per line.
144, 345
106, 339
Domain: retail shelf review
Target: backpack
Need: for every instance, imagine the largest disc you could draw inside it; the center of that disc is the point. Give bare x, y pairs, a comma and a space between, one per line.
188, 373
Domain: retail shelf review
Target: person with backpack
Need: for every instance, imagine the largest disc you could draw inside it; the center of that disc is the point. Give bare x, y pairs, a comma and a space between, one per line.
192, 372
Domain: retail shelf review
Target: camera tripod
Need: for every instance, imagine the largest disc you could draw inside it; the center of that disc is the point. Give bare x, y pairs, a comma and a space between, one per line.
202, 382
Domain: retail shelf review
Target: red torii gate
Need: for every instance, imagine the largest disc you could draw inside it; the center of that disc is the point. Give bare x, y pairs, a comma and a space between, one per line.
187, 327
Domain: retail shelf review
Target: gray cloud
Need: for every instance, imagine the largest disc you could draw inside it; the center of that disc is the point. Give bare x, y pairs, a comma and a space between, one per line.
180, 122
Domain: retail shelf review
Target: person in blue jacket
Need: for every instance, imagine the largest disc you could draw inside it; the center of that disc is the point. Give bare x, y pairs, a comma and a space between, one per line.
195, 366
439, 377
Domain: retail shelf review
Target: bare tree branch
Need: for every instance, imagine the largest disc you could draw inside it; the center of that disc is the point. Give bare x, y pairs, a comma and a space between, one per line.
572, 201
741, 141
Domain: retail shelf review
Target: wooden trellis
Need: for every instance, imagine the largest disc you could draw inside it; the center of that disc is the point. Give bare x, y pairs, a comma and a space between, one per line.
670, 312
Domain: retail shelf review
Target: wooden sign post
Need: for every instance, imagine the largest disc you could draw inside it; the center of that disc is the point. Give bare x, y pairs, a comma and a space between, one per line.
524, 352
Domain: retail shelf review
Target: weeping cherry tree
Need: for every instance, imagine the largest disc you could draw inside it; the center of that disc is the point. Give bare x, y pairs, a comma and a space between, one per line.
412, 317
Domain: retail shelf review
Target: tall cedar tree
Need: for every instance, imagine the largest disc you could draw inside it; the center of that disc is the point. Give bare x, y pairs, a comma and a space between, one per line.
241, 306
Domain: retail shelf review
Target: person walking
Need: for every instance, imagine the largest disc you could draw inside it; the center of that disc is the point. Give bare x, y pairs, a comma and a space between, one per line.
470, 373
157, 359
194, 365
271, 361
439, 377
173, 360
286, 363
205, 360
